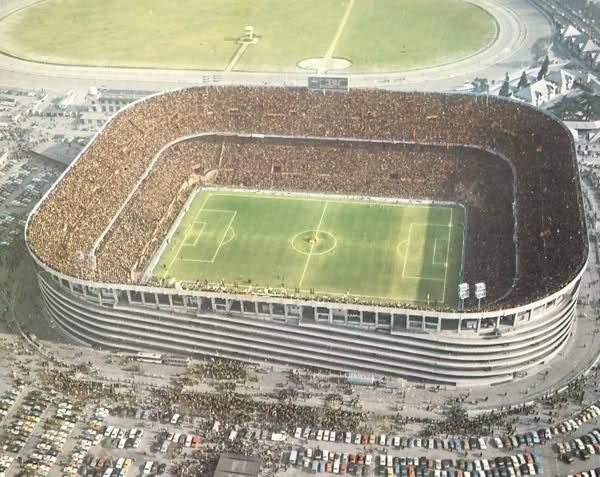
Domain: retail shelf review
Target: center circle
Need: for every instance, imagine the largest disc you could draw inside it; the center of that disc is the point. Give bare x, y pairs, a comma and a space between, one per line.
312, 242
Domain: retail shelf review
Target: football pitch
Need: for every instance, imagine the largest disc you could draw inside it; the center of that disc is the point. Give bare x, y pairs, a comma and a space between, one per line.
374, 35
381, 251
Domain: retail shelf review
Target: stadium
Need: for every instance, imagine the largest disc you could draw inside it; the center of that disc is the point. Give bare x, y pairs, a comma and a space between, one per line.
324, 229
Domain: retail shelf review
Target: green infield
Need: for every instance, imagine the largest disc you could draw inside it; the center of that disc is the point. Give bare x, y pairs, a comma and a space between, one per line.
373, 250
372, 34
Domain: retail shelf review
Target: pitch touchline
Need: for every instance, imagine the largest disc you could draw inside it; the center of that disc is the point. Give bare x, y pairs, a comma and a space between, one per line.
312, 246
324, 293
364, 202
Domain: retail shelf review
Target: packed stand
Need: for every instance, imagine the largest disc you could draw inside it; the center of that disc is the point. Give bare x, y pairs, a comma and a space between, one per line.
550, 230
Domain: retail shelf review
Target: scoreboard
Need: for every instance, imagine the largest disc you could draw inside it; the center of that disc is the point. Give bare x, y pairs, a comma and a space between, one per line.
331, 83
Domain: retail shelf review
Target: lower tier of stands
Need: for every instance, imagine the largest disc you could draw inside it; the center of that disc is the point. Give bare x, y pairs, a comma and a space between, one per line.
307, 336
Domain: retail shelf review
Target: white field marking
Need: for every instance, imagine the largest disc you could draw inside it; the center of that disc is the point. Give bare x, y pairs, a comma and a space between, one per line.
331, 201
399, 248
382, 298
321, 292
185, 237
339, 30
198, 234
219, 210
416, 277
434, 247
232, 236
223, 238
331, 249
312, 246
204, 224
447, 255
407, 250
223, 242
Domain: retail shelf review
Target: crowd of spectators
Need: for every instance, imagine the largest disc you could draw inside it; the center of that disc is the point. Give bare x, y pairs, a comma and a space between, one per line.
550, 231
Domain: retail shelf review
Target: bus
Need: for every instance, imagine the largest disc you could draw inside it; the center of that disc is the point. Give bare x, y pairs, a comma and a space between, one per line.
293, 457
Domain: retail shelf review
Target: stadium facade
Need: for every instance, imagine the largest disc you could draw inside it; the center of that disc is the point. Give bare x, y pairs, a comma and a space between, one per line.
525, 326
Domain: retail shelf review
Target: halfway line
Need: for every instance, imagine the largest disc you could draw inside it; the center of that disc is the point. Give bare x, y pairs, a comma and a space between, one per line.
312, 246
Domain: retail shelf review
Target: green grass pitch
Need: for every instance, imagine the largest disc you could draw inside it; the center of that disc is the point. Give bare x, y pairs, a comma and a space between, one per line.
375, 35
374, 250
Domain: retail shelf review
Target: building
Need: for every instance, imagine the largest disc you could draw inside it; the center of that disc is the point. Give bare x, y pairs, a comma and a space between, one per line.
537, 93
524, 326
580, 45
112, 100
563, 80
234, 465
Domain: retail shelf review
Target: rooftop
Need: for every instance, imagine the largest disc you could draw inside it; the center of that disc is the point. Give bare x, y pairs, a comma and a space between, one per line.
236, 465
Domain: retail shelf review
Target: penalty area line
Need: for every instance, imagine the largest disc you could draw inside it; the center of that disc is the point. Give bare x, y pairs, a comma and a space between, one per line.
168, 270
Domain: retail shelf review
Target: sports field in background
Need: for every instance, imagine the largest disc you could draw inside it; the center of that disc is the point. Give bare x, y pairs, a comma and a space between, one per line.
373, 34
380, 251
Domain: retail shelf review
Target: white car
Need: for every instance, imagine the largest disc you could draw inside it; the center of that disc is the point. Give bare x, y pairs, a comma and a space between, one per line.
590, 449
574, 424
85, 444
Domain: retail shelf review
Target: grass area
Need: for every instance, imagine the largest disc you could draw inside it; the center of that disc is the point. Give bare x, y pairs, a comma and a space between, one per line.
414, 33
379, 34
380, 251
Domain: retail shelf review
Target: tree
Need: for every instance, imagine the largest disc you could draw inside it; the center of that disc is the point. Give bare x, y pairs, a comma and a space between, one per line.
505, 89
523, 81
544, 69
481, 85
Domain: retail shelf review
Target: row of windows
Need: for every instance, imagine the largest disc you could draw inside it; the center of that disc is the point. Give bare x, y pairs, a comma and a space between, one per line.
398, 321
